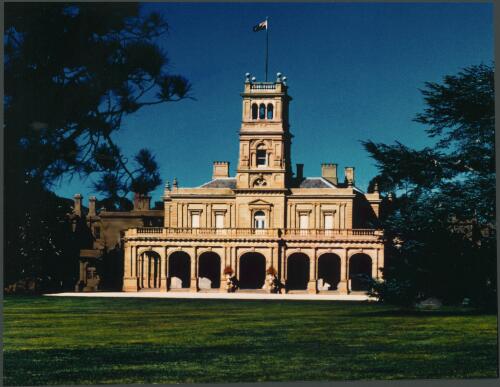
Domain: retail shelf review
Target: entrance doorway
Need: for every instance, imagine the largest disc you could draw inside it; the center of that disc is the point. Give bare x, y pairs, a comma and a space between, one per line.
360, 271
329, 270
179, 265
252, 271
209, 267
297, 272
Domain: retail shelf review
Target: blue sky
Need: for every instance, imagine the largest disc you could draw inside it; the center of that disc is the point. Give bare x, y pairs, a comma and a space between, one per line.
353, 71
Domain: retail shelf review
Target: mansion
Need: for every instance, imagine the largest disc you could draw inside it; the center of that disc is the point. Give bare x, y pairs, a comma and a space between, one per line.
264, 224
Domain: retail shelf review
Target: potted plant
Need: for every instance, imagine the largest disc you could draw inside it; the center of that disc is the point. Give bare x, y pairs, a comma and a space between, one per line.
271, 271
272, 280
230, 285
228, 271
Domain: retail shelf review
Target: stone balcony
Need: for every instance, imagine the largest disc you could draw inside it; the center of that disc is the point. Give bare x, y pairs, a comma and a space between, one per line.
265, 233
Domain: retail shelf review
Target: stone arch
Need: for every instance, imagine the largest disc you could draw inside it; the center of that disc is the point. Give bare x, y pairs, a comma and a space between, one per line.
297, 271
179, 265
329, 269
209, 266
252, 270
360, 271
149, 269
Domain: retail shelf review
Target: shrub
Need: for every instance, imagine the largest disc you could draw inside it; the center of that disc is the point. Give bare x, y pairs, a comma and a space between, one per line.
394, 292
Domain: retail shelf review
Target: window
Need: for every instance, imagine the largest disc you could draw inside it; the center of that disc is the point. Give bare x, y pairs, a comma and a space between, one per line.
219, 220
304, 221
262, 111
261, 158
269, 111
328, 224
259, 220
195, 220
254, 111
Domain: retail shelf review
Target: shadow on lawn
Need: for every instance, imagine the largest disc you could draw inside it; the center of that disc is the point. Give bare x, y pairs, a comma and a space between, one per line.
403, 312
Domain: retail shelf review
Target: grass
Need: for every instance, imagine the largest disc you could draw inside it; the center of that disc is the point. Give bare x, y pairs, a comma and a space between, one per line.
49, 340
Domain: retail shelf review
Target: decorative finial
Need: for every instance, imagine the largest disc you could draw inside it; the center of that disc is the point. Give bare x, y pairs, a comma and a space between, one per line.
167, 186
175, 183
375, 187
247, 77
254, 79
278, 77
284, 80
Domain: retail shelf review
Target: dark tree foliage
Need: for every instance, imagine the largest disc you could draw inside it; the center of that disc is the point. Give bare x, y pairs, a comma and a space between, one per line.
440, 224
73, 71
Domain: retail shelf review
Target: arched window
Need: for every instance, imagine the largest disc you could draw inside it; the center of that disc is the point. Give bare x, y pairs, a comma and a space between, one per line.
269, 111
255, 111
262, 111
259, 219
261, 157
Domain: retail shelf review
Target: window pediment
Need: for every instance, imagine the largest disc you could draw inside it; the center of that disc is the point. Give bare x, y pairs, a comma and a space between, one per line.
260, 203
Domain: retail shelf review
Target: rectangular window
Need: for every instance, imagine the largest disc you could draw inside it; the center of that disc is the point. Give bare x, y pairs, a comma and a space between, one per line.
304, 222
195, 220
329, 222
261, 158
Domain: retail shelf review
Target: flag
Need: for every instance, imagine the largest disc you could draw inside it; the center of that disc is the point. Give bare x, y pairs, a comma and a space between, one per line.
261, 26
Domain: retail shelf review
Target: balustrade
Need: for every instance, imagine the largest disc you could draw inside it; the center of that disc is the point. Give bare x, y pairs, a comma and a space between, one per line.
266, 232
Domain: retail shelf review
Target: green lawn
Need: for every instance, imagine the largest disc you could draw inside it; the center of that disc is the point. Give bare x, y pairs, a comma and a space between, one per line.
49, 340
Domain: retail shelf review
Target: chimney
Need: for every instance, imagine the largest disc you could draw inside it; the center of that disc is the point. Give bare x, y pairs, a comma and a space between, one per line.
329, 172
141, 202
77, 199
221, 169
349, 176
300, 171
92, 212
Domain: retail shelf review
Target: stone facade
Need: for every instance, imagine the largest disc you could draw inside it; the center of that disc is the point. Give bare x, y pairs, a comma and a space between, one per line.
265, 229
101, 232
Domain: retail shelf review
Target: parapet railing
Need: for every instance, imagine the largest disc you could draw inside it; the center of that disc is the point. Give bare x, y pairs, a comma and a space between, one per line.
269, 232
263, 86
330, 232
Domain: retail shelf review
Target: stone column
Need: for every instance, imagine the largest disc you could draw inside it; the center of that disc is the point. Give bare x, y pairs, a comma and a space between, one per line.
129, 275
342, 287
374, 264
194, 272
380, 262
312, 284
167, 273
146, 275
163, 271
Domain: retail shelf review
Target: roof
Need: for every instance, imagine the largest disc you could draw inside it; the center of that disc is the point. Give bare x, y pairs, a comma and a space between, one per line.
315, 182
308, 182
228, 182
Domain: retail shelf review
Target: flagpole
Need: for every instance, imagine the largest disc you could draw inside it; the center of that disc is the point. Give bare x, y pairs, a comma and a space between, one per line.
267, 45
